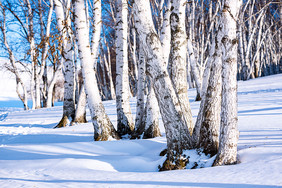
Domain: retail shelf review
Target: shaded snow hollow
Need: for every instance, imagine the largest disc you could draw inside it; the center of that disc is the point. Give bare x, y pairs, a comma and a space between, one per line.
32, 154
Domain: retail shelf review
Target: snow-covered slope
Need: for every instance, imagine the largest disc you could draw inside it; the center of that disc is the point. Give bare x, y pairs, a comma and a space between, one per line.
32, 154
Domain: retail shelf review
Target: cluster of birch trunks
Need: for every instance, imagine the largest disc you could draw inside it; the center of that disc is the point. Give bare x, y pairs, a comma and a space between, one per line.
153, 50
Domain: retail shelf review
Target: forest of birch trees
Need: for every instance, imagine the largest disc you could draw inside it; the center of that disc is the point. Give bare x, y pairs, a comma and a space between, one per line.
153, 50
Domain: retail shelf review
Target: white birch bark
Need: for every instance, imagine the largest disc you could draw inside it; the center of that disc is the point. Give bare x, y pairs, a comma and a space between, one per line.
97, 26
44, 40
35, 92
165, 34
140, 106
194, 69
178, 58
63, 23
52, 83
151, 122
177, 132
103, 128
210, 121
206, 129
229, 133
124, 117
80, 112
109, 75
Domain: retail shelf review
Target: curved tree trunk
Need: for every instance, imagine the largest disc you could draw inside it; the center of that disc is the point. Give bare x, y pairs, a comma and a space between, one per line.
103, 128
177, 133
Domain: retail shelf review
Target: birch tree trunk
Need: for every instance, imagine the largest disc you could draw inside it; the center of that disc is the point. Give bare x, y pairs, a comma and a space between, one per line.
80, 112
165, 35
63, 23
177, 132
52, 83
194, 69
125, 123
45, 43
229, 134
140, 106
151, 122
103, 128
178, 58
34, 90
210, 122
147, 117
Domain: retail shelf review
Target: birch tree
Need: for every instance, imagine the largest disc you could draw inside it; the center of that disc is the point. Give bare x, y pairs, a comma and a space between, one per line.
178, 58
229, 134
151, 118
140, 105
209, 113
103, 128
45, 36
125, 123
63, 23
177, 132
80, 111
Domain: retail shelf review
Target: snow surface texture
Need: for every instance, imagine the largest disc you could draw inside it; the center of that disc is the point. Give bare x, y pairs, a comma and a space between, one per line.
32, 154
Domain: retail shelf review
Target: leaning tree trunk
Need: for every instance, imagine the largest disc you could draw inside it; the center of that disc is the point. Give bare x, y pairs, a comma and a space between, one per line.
211, 107
125, 123
229, 134
178, 58
103, 128
177, 132
69, 74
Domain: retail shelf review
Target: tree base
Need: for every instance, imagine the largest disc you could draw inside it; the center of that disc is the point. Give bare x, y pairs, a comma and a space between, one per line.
124, 129
106, 137
63, 123
198, 97
177, 163
81, 119
173, 162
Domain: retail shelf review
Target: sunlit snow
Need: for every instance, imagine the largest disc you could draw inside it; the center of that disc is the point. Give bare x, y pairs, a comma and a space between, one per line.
33, 154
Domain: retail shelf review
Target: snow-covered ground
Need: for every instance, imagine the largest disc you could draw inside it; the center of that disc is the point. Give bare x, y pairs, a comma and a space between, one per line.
32, 154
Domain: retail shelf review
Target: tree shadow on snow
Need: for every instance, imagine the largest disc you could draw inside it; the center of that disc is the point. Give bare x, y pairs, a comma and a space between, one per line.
153, 183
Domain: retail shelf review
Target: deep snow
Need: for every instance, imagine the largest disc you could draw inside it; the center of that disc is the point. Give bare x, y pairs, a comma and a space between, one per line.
32, 154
